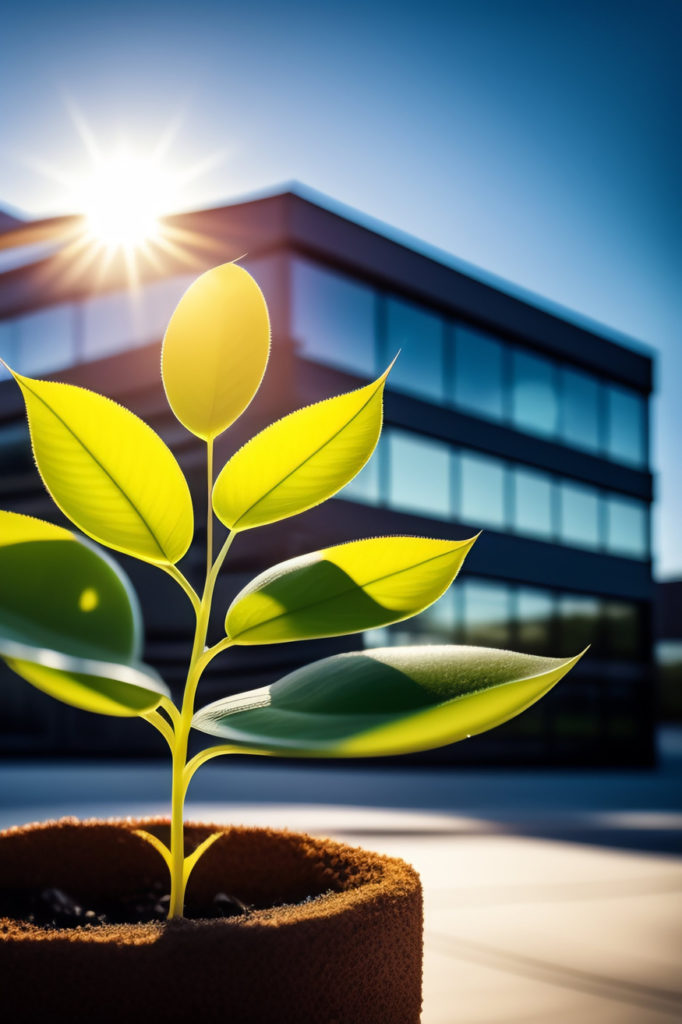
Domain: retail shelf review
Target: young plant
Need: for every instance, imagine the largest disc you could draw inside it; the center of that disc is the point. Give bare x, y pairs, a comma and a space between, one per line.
70, 623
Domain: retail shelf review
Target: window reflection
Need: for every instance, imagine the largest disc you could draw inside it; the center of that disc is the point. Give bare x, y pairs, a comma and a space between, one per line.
333, 318
419, 474
486, 613
16, 455
365, 487
157, 302
579, 623
110, 324
580, 405
534, 394
625, 425
481, 490
117, 321
46, 340
264, 270
478, 384
435, 625
626, 527
418, 335
8, 346
623, 631
579, 505
534, 616
532, 503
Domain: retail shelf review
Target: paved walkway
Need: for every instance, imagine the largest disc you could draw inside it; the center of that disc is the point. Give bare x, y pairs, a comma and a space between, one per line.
549, 896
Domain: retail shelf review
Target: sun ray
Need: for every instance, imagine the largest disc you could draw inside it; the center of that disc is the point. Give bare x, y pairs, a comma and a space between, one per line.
126, 226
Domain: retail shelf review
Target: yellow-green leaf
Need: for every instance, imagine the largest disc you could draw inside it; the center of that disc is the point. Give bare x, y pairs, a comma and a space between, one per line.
69, 620
215, 350
345, 589
301, 460
108, 471
395, 700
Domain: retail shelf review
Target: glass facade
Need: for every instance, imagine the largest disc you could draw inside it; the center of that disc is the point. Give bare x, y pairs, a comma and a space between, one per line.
478, 385
410, 472
419, 337
486, 613
626, 425
627, 529
344, 323
579, 515
535, 405
580, 402
532, 503
495, 613
58, 336
482, 490
333, 318
41, 342
419, 474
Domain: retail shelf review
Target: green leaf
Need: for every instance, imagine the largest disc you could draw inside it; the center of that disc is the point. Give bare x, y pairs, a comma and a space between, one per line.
108, 471
215, 350
301, 460
345, 589
396, 700
69, 620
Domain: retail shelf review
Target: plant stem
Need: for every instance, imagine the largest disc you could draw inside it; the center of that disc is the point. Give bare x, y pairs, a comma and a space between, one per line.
175, 574
177, 838
183, 722
209, 506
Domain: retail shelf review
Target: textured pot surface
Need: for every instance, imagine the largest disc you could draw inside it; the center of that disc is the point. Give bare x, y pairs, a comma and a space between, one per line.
353, 955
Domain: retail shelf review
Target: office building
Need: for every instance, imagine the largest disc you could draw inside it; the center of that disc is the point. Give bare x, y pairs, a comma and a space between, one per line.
499, 416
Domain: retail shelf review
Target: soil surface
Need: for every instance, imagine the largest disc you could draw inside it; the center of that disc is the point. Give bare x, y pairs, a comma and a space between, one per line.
54, 908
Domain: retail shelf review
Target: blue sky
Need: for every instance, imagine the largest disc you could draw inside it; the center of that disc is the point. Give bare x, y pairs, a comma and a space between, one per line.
536, 139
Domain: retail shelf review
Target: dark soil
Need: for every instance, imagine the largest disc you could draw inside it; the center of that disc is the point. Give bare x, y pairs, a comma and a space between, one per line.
54, 908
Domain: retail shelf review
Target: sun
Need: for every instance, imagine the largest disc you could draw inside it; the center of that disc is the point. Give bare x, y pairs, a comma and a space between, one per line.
124, 198
121, 199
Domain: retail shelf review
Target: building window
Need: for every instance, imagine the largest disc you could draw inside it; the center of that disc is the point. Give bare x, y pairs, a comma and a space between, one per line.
625, 425
419, 474
334, 319
534, 618
437, 624
534, 394
365, 487
478, 383
486, 613
16, 454
418, 335
622, 629
626, 527
265, 271
579, 517
481, 490
580, 410
532, 504
111, 323
8, 346
46, 340
579, 624
157, 302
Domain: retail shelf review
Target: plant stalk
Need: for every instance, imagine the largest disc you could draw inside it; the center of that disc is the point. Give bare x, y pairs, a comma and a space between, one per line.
183, 723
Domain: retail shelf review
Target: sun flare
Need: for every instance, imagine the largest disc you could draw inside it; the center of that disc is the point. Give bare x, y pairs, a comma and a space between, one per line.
124, 198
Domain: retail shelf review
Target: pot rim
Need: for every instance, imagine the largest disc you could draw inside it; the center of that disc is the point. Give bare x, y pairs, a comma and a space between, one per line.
393, 878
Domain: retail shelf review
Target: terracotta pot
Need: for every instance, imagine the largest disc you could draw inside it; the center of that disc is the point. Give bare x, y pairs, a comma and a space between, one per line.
353, 955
